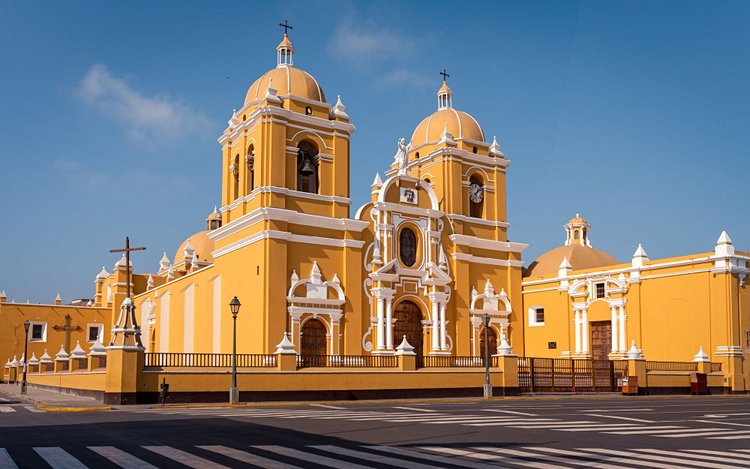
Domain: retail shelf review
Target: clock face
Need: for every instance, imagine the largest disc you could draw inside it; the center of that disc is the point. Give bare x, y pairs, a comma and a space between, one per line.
476, 193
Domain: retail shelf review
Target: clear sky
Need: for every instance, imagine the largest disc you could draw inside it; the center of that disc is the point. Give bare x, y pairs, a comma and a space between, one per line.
633, 113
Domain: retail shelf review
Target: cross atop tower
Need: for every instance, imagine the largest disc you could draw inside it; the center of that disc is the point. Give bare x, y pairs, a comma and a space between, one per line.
445, 74
127, 261
286, 26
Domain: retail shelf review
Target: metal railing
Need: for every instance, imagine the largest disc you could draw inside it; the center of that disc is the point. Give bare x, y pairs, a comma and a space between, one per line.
347, 361
453, 362
671, 366
570, 375
247, 360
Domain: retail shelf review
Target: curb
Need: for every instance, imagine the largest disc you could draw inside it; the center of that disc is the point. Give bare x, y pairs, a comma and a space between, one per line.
71, 409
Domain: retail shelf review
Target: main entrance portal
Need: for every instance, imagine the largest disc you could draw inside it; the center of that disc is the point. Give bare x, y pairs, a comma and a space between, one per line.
408, 323
601, 340
313, 349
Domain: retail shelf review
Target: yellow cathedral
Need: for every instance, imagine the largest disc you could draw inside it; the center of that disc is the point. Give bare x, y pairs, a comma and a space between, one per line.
420, 264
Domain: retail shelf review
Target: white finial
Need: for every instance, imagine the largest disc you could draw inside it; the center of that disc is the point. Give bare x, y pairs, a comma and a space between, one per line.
78, 351
233, 120
58, 299
285, 347
701, 356
446, 137
189, 250
103, 274
170, 272
377, 182
295, 277
640, 252
504, 349
33, 361
98, 349
376, 254
164, 262
150, 282
405, 348
495, 148
195, 264
271, 93
121, 262
62, 355
634, 353
724, 246
45, 358
339, 109
565, 264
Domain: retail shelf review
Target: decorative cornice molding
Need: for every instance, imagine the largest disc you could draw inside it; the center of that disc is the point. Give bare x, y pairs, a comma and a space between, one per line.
476, 242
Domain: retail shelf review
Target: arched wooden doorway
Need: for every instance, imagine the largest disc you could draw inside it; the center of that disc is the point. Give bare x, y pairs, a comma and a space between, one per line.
491, 339
313, 347
408, 323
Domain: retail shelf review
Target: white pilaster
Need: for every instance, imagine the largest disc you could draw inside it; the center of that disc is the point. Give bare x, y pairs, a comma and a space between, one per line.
615, 333
584, 332
435, 328
577, 322
622, 329
443, 331
388, 324
381, 324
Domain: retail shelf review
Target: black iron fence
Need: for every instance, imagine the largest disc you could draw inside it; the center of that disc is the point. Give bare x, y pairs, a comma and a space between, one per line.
209, 360
347, 361
437, 361
569, 375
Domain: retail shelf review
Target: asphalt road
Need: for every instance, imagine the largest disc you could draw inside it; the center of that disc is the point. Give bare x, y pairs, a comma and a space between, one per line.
697, 432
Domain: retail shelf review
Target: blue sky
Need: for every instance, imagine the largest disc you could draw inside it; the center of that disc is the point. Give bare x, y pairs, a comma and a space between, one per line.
634, 114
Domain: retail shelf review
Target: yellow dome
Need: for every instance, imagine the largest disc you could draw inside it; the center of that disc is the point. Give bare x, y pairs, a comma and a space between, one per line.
460, 124
578, 220
200, 243
287, 79
579, 257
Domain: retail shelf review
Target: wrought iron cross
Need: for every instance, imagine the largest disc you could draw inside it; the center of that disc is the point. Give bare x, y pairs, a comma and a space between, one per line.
286, 26
445, 74
67, 328
127, 260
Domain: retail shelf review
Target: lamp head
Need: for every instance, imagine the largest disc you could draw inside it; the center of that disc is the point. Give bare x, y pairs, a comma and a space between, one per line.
234, 306
26, 325
486, 320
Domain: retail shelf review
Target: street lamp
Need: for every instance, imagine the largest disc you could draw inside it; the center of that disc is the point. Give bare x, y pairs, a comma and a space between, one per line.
487, 385
26, 325
234, 393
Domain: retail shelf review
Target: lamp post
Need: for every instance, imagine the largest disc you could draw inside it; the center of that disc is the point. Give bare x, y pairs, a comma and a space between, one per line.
26, 325
234, 393
487, 385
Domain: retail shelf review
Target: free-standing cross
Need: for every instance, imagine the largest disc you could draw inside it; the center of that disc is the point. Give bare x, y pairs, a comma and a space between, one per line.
286, 26
127, 260
445, 74
67, 328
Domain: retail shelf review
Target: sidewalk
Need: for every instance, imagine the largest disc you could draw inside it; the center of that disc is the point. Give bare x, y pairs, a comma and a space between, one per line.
49, 400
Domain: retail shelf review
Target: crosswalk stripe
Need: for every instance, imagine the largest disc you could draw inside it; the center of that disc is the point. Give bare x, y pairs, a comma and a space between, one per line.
183, 457
649, 431
465, 453
6, 462
621, 418
415, 409
712, 432
373, 457
579, 428
597, 460
613, 428
505, 422
32, 408
535, 464
328, 406
652, 458
431, 457
701, 457
735, 437
510, 412
121, 458
248, 458
734, 453
309, 457
7, 409
57, 457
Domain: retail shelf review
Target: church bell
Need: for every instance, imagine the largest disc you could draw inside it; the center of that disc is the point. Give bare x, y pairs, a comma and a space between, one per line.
307, 168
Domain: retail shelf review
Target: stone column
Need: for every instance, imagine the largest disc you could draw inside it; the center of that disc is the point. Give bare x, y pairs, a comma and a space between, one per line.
615, 347
623, 340
584, 332
381, 323
435, 328
388, 324
577, 323
443, 331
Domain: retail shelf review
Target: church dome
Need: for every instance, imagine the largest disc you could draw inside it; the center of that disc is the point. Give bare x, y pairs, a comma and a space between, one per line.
200, 244
286, 78
458, 123
577, 250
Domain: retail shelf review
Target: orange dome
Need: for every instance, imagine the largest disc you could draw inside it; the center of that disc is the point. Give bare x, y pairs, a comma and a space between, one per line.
460, 124
579, 257
287, 80
202, 245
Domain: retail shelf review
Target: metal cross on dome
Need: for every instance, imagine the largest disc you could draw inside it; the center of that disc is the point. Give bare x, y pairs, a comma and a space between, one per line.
286, 26
445, 74
127, 260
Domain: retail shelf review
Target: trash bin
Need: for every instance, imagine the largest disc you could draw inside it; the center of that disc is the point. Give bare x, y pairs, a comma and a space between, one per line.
630, 386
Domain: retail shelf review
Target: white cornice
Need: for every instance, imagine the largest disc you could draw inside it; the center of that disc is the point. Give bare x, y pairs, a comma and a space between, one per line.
475, 242
287, 192
486, 260
457, 154
289, 216
290, 237
394, 207
478, 221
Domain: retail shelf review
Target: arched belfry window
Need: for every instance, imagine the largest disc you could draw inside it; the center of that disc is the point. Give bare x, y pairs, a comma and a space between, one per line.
476, 197
250, 159
236, 176
407, 247
307, 167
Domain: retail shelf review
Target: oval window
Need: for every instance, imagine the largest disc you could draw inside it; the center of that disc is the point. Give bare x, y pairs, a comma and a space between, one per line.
408, 247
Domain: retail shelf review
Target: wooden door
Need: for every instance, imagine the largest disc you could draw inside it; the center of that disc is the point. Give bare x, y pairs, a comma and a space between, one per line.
313, 349
408, 323
601, 340
491, 339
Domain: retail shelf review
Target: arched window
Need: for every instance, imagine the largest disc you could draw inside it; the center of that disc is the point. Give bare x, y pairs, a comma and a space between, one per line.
307, 167
476, 197
236, 176
407, 247
250, 159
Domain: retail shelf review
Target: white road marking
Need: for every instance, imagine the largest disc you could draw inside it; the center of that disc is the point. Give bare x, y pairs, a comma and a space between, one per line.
736, 437
721, 422
32, 408
524, 454
329, 406
121, 458
721, 416
713, 432
652, 458
701, 457
183, 457
309, 457
620, 418
7, 409
248, 458
616, 410
431, 457
582, 428
59, 458
471, 454
597, 458
373, 457
6, 462
510, 412
609, 429
722, 453
415, 409
657, 432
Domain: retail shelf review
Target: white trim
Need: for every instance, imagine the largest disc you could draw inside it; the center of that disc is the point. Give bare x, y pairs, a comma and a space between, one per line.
216, 347
479, 221
289, 237
476, 242
532, 315
100, 335
486, 260
44, 331
287, 192
289, 216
